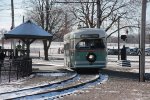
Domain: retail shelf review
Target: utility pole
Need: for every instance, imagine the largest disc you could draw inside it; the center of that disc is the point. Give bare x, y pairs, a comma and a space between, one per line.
47, 14
142, 42
98, 13
12, 26
119, 38
139, 44
12, 14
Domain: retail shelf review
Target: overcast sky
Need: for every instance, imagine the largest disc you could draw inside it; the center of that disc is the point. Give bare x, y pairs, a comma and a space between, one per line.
5, 13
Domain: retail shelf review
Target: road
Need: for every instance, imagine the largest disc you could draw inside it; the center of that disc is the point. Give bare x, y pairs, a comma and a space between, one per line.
131, 58
56, 63
119, 84
134, 60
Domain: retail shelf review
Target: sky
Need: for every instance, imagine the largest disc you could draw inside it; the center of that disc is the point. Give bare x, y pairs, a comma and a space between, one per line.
5, 13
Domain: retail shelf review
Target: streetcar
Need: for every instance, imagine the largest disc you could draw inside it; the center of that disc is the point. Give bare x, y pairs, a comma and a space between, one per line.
85, 48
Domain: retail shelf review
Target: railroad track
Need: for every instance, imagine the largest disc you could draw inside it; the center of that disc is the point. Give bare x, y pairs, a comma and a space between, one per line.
54, 90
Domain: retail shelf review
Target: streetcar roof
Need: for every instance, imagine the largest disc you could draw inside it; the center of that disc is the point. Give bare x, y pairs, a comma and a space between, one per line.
77, 33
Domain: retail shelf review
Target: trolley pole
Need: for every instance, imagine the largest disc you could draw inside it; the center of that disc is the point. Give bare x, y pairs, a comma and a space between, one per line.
142, 42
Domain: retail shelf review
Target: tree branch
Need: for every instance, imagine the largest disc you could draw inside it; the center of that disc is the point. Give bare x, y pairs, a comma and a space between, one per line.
120, 29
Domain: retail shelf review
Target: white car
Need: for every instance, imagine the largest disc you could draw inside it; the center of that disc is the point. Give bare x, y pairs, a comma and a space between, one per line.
147, 52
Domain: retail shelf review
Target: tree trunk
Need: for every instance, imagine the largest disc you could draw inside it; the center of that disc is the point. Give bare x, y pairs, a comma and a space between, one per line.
45, 50
46, 47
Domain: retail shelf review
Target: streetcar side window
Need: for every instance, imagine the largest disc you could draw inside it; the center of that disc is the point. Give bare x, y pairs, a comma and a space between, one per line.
66, 46
66, 49
72, 44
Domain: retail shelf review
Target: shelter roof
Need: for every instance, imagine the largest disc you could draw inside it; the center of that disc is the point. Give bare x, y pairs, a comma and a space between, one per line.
28, 30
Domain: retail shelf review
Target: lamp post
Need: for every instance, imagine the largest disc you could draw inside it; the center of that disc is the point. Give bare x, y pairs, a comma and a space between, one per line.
119, 38
123, 50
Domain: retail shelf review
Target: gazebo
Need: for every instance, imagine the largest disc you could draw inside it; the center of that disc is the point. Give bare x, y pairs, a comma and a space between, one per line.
28, 32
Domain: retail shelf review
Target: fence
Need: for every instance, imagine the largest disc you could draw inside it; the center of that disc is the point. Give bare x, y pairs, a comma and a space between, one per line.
11, 70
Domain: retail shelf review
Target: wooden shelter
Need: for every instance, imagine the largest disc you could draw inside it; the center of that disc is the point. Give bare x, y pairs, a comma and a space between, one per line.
28, 32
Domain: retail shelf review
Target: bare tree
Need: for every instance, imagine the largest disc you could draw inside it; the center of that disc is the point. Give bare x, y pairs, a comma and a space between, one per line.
51, 18
110, 12
54, 18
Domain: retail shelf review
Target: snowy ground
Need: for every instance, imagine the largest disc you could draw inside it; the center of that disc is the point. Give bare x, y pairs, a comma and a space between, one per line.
56, 65
37, 47
52, 66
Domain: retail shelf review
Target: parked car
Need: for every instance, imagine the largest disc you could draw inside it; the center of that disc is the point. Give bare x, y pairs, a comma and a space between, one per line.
147, 51
127, 50
133, 51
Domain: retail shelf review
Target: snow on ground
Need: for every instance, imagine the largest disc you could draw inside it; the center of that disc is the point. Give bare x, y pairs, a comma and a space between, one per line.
7, 87
101, 80
38, 46
39, 64
45, 65
34, 80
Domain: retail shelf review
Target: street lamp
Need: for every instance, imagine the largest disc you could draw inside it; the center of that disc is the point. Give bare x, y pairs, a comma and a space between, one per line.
123, 50
119, 38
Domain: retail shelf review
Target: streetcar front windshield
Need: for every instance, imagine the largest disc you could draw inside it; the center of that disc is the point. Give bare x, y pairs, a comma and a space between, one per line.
90, 44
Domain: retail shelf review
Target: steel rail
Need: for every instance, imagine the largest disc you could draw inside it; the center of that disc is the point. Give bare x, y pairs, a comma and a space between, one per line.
58, 90
39, 87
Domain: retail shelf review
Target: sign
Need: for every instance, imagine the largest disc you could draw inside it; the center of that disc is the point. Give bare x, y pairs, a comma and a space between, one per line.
139, 52
89, 36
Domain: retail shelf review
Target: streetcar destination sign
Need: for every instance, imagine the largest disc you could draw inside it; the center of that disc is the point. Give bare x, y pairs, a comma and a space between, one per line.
89, 36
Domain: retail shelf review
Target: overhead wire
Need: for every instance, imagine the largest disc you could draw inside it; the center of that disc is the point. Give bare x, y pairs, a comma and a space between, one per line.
6, 6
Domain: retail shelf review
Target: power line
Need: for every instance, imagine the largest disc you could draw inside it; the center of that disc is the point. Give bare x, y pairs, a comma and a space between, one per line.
30, 7
75, 2
9, 4
6, 6
14, 8
10, 15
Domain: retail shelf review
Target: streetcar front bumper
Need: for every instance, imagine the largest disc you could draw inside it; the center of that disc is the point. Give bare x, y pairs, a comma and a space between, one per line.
85, 64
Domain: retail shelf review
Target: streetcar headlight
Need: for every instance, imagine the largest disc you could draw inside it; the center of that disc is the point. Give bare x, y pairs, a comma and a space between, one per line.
91, 57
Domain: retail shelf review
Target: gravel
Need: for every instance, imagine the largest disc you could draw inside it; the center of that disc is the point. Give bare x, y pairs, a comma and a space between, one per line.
121, 85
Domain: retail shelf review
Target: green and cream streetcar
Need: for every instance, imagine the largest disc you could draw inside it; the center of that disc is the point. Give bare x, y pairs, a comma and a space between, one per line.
85, 48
